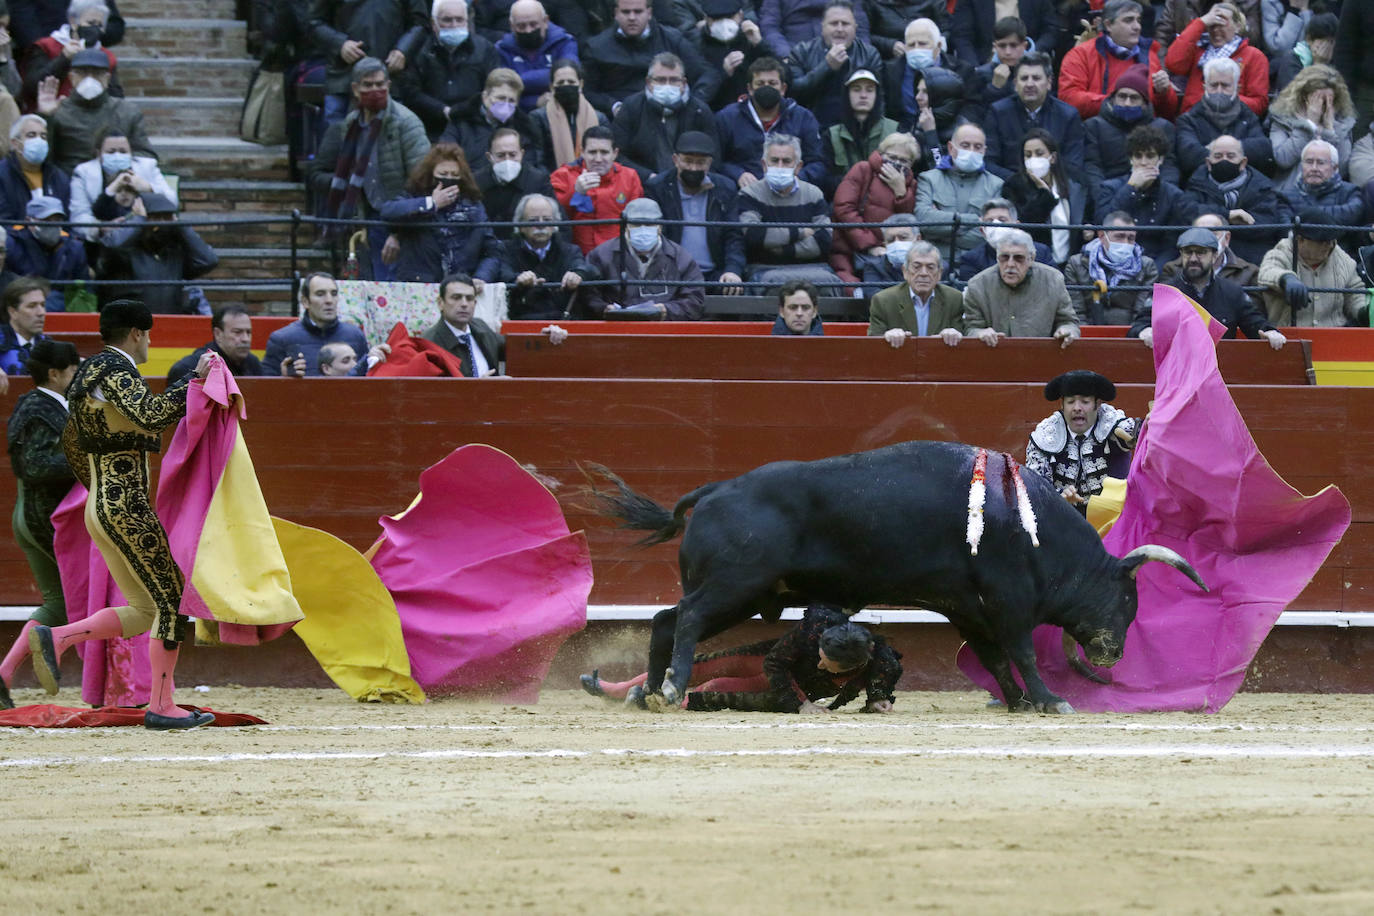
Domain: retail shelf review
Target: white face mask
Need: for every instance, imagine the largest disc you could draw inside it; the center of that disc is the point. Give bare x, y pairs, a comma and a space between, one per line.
724, 30
994, 234
89, 88
506, 169
1039, 166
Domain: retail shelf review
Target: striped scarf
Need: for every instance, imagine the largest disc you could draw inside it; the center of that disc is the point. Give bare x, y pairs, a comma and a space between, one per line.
355, 155
1210, 53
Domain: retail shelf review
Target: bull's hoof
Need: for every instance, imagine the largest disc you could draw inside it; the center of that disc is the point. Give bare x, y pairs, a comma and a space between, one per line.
592, 683
670, 692
1057, 708
1020, 704
634, 699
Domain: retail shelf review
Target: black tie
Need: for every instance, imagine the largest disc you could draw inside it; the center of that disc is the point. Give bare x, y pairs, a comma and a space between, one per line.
466, 341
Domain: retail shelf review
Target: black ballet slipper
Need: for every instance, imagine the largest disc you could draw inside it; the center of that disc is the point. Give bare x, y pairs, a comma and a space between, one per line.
44, 658
157, 723
592, 683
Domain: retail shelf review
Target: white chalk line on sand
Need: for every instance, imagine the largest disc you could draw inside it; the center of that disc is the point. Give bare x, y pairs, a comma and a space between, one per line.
679, 723
1094, 752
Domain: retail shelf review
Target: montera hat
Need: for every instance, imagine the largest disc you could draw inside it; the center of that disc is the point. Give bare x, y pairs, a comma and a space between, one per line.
1080, 381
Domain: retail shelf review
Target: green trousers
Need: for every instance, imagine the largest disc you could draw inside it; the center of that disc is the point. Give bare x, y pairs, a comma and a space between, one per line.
43, 561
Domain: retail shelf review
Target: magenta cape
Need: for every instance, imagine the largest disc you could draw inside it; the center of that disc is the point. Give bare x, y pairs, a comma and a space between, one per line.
487, 578
1199, 485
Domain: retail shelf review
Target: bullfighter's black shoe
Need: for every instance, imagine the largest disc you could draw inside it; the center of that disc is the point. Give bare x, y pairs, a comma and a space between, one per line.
592, 683
5, 701
44, 658
157, 723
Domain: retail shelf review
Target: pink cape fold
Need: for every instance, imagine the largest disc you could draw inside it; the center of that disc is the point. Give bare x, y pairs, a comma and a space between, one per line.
1199, 485
487, 578
114, 672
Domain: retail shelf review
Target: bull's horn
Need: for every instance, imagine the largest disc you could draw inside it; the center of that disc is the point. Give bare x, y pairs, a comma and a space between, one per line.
1146, 552
1077, 663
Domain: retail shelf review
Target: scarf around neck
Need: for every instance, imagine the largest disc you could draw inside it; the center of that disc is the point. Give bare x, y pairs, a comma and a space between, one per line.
566, 146
351, 169
1103, 269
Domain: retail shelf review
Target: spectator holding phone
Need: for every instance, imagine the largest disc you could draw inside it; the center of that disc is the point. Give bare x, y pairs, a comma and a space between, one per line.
107, 188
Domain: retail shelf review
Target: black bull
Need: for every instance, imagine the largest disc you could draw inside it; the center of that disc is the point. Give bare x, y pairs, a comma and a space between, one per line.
889, 526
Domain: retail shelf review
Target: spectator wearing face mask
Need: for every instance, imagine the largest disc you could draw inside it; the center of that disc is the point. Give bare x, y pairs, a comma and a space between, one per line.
766, 109
1127, 108
643, 259
958, 184
503, 177
1111, 260
74, 123
27, 169
693, 190
924, 54
776, 211
530, 48
149, 247
648, 124
566, 114
46, 250
1228, 181
105, 188
52, 55
871, 191
1044, 194
498, 106
1221, 111
729, 43
32, 19
441, 191
899, 232
995, 212
448, 69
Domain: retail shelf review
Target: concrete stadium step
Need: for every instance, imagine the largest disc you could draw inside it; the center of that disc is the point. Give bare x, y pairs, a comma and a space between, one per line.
233, 195
266, 263
145, 78
183, 9
239, 234
224, 156
212, 38
191, 117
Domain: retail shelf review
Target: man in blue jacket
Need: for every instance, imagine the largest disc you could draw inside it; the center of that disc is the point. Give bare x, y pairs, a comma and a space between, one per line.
692, 190
1008, 120
531, 47
294, 350
767, 109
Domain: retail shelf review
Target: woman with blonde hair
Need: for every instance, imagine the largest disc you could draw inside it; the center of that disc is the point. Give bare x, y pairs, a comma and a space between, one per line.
1315, 106
870, 192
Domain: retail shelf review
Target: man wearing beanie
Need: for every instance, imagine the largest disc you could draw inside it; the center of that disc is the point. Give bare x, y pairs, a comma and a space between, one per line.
823, 656
1091, 68
1084, 440
1104, 137
115, 423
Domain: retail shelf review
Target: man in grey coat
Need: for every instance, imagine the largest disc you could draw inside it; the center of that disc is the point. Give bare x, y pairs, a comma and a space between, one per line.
958, 185
1018, 297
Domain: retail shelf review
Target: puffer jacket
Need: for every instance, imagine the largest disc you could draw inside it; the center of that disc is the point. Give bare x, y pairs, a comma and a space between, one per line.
863, 197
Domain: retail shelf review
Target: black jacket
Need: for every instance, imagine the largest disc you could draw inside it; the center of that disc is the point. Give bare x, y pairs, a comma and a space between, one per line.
541, 302
1353, 42
471, 129
1225, 301
971, 31
1159, 204
646, 132
1007, 122
1104, 150
15, 193
887, 20
616, 65
726, 243
130, 254
440, 77
812, 83
727, 89
187, 364
1258, 197
1034, 204
34, 19
500, 198
382, 26
1196, 130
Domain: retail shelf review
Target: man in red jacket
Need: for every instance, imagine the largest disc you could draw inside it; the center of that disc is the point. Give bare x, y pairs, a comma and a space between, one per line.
595, 187
1091, 69
1220, 33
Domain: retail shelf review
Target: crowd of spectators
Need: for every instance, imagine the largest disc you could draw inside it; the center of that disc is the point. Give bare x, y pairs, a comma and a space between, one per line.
823, 142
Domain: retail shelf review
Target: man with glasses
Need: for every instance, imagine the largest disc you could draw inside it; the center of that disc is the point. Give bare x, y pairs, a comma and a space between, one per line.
649, 123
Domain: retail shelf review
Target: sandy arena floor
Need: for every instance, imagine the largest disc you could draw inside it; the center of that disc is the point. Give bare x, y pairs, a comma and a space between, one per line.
573, 806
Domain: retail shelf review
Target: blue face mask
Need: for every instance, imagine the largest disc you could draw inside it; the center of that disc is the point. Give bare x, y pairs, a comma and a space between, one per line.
116, 162
1120, 251
897, 252
643, 238
920, 58
35, 150
968, 160
667, 96
1129, 113
452, 38
780, 179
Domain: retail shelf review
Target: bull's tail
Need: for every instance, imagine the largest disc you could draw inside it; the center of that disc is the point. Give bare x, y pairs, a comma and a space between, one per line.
640, 513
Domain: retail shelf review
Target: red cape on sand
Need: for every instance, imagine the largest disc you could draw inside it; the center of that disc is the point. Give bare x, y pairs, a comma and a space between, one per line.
1199, 485
46, 715
487, 578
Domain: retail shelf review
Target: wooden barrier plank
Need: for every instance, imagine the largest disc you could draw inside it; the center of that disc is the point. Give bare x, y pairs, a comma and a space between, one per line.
869, 359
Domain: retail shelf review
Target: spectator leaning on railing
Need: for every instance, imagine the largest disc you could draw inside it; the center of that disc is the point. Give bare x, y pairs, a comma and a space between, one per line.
1019, 297
1288, 277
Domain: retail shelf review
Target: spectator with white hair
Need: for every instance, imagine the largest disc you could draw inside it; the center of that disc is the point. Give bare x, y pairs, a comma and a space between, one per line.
1315, 106
532, 46
872, 191
785, 252
1220, 111
542, 272
52, 55
1295, 269
448, 69
925, 50
1316, 182
957, 185
1019, 297
28, 170
1218, 34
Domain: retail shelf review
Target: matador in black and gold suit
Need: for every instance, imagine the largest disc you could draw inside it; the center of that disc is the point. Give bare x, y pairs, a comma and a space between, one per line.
116, 421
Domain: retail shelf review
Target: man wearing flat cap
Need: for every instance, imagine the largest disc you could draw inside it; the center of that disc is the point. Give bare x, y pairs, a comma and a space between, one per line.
1085, 440
1224, 300
648, 267
694, 191
47, 250
154, 247
75, 122
1320, 262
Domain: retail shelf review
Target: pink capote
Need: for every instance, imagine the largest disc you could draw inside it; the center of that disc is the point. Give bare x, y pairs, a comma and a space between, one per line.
114, 672
1199, 485
488, 580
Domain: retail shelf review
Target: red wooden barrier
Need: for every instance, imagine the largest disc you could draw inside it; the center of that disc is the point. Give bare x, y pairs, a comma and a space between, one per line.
338, 453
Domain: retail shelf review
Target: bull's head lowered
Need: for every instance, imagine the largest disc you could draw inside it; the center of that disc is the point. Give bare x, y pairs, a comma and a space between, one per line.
1104, 644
